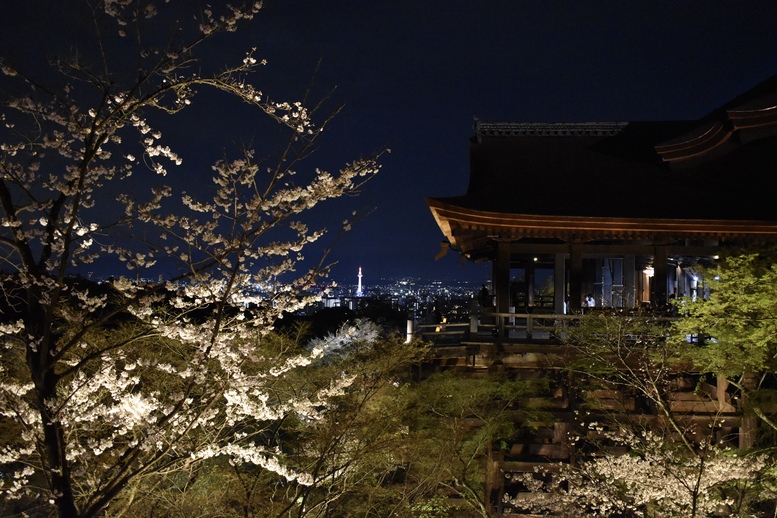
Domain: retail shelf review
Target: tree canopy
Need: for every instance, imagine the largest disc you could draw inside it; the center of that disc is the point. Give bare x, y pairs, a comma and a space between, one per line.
167, 363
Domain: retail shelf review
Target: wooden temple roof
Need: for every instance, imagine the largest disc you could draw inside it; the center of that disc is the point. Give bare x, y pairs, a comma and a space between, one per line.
713, 178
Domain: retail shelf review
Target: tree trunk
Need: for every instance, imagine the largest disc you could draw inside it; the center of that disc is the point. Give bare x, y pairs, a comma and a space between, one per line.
45, 381
54, 444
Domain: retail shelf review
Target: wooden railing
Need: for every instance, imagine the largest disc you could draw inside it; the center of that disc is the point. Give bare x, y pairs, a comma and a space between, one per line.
541, 327
529, 326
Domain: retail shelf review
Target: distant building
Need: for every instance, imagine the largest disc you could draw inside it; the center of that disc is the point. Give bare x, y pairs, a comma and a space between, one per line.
359, 289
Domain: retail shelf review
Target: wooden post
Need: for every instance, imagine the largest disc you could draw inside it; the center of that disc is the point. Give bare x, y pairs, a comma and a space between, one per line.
721, 386
502, 277
658, 298
629, 283
575, 278
502, 281
559, 284
473, 318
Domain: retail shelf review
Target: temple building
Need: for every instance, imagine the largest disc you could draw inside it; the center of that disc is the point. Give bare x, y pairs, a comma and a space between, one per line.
575, 217
619, 212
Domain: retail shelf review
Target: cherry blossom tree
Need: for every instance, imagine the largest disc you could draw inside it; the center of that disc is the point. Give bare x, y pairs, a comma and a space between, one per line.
169, 362
342, 450
654, 477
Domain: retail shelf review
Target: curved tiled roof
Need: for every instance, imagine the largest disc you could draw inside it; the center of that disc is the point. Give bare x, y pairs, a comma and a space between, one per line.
614, 180
469, 229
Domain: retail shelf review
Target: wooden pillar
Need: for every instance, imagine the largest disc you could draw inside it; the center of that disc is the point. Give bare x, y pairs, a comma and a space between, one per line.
575, 278
474, 318
720, 393
658, 297
495, 481
559, 283
629, 281
501, 277
530, 285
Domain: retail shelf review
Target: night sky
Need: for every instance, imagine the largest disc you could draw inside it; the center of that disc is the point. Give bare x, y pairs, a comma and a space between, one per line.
414, 74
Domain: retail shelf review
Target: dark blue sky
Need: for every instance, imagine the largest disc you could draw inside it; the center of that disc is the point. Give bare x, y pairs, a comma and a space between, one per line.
413, 75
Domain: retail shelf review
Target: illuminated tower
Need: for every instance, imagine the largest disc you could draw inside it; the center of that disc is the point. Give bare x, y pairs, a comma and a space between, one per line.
359, 292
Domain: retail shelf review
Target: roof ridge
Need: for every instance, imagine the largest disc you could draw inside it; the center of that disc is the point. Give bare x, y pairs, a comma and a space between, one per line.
547, 129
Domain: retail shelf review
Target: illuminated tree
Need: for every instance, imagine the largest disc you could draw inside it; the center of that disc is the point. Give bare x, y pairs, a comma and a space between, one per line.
457, 420
169, 363
344, 450
734, 332
414, 449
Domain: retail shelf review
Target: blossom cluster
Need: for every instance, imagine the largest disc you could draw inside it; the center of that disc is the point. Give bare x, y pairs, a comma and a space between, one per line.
651, 474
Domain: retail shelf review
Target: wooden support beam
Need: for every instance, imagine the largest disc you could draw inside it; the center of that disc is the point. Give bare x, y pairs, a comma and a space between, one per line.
575, 278
559, 283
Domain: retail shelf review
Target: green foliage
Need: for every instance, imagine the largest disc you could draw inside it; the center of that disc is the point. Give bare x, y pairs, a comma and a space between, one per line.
628, 353
434, 507
607, 344
468, 414
394, 446
453, 421
633, 356
737, 326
